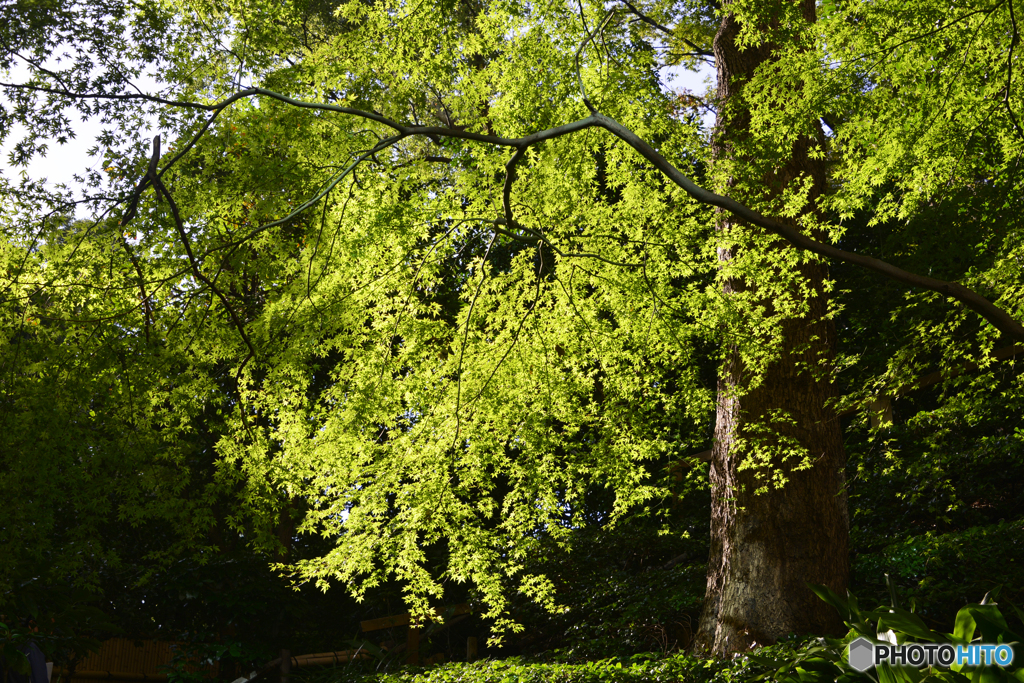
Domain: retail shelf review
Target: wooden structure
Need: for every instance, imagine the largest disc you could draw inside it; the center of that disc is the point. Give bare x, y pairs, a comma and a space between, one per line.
124, 659
280, 669
412, 643
144, 661
321, 658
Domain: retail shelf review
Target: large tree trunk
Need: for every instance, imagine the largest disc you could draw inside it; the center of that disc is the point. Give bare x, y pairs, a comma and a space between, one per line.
765, 548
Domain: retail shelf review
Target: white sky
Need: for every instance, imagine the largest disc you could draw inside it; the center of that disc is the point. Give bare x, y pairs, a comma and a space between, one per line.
62, 162
696, 82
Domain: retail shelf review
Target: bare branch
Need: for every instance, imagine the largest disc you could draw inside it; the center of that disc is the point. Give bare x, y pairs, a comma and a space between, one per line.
697, 50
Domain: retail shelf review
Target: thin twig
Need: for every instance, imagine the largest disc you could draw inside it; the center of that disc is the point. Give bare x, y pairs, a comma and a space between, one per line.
697, 50
465, 338
590, 36
1009, 71
511, 344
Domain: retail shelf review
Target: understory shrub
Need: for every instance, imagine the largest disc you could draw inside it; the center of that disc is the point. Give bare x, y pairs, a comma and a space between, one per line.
791, 660
939, 573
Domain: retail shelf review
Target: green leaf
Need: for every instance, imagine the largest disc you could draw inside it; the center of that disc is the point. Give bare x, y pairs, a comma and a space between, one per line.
989, 620
16, 659
902, 621
964, 626
832, 598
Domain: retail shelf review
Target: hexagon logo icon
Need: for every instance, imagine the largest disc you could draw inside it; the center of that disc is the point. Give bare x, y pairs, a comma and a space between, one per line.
861, 654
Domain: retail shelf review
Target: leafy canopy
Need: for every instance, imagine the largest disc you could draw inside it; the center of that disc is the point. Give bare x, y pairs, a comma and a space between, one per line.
398, 316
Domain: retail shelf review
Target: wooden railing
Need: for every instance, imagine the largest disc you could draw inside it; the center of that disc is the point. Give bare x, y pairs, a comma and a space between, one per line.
139, 661
412, 643
123, 659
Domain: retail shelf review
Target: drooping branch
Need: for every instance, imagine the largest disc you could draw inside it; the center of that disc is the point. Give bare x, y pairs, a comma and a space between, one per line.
510, 178
153, 178
1009, 71
583, 46
143, 297
999, 318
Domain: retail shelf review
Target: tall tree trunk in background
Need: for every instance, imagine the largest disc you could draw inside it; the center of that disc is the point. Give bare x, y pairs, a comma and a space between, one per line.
765, 548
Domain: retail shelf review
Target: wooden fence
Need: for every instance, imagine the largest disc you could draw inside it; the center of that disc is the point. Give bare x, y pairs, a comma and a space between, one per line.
412, 644
123, 659
142, 661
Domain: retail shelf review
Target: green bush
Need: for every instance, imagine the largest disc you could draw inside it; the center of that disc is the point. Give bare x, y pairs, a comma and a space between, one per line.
791, 660
644, 668
621, 592
824, 659
938, 573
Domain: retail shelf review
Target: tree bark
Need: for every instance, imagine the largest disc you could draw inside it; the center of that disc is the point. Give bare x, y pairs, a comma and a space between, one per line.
765, 548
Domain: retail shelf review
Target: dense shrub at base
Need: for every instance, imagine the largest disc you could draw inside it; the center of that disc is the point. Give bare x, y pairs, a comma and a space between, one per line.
647, 668
792, 660
939, 573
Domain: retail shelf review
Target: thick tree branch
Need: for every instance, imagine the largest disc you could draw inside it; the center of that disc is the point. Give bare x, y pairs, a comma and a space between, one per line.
999, 318
510, 177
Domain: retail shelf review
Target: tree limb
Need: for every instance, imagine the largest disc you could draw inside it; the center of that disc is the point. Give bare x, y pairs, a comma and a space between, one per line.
1009, 71
158, 184
999, 318
510, 177
697, 50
